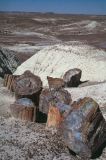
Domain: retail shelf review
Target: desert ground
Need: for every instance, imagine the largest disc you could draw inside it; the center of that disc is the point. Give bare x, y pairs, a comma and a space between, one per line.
48, 45
30, 32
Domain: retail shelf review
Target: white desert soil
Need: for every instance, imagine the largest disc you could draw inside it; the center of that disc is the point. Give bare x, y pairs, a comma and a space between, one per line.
56, 60
31, 141
26, 48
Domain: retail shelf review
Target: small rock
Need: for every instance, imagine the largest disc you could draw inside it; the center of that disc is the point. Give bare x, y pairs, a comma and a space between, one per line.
55, 83
72, 77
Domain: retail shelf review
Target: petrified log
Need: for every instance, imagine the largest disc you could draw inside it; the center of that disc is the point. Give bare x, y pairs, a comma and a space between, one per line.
12, 82
55, 83
23, 109
84, 128
54, 117
56, 114
9, 81
28, 85
54, 96
72, 77
5, 80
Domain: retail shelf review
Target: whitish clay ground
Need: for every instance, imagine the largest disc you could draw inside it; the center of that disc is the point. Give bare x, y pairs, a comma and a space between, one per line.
56, 60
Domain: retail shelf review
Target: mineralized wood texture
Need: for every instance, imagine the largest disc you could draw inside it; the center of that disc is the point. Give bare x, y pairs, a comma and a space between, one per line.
54, 117
57, 113
84, 128
27, 84
53, 96
23, 109
9, 81
72, 77
5, 80
55, 83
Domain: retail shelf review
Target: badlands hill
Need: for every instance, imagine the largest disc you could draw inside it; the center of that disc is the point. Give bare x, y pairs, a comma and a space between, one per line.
57, 59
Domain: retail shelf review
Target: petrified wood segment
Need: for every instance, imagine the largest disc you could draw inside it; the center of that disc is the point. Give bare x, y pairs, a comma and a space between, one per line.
55, 83
27, 84
23, 109
84, 128
57, 114
53, 96
5, 80
54, 117
9, 81
72, 77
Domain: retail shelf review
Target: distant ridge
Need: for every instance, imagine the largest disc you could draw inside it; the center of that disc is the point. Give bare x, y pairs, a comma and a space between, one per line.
50, 13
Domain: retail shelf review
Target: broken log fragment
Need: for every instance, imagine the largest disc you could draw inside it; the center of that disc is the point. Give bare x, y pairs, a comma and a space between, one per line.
56, 114
48, 96
55, 83
55, 118
84, 128
9, 81
28, 85
23, 109
72, 77
5, 80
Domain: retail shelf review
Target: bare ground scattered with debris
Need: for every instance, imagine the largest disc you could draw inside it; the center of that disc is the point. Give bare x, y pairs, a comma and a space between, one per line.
32, 141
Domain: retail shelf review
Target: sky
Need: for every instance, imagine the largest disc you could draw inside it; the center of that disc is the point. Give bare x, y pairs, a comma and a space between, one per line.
56, 6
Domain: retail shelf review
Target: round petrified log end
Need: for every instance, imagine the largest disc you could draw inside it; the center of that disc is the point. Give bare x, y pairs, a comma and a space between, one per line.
27, 84
23, 109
